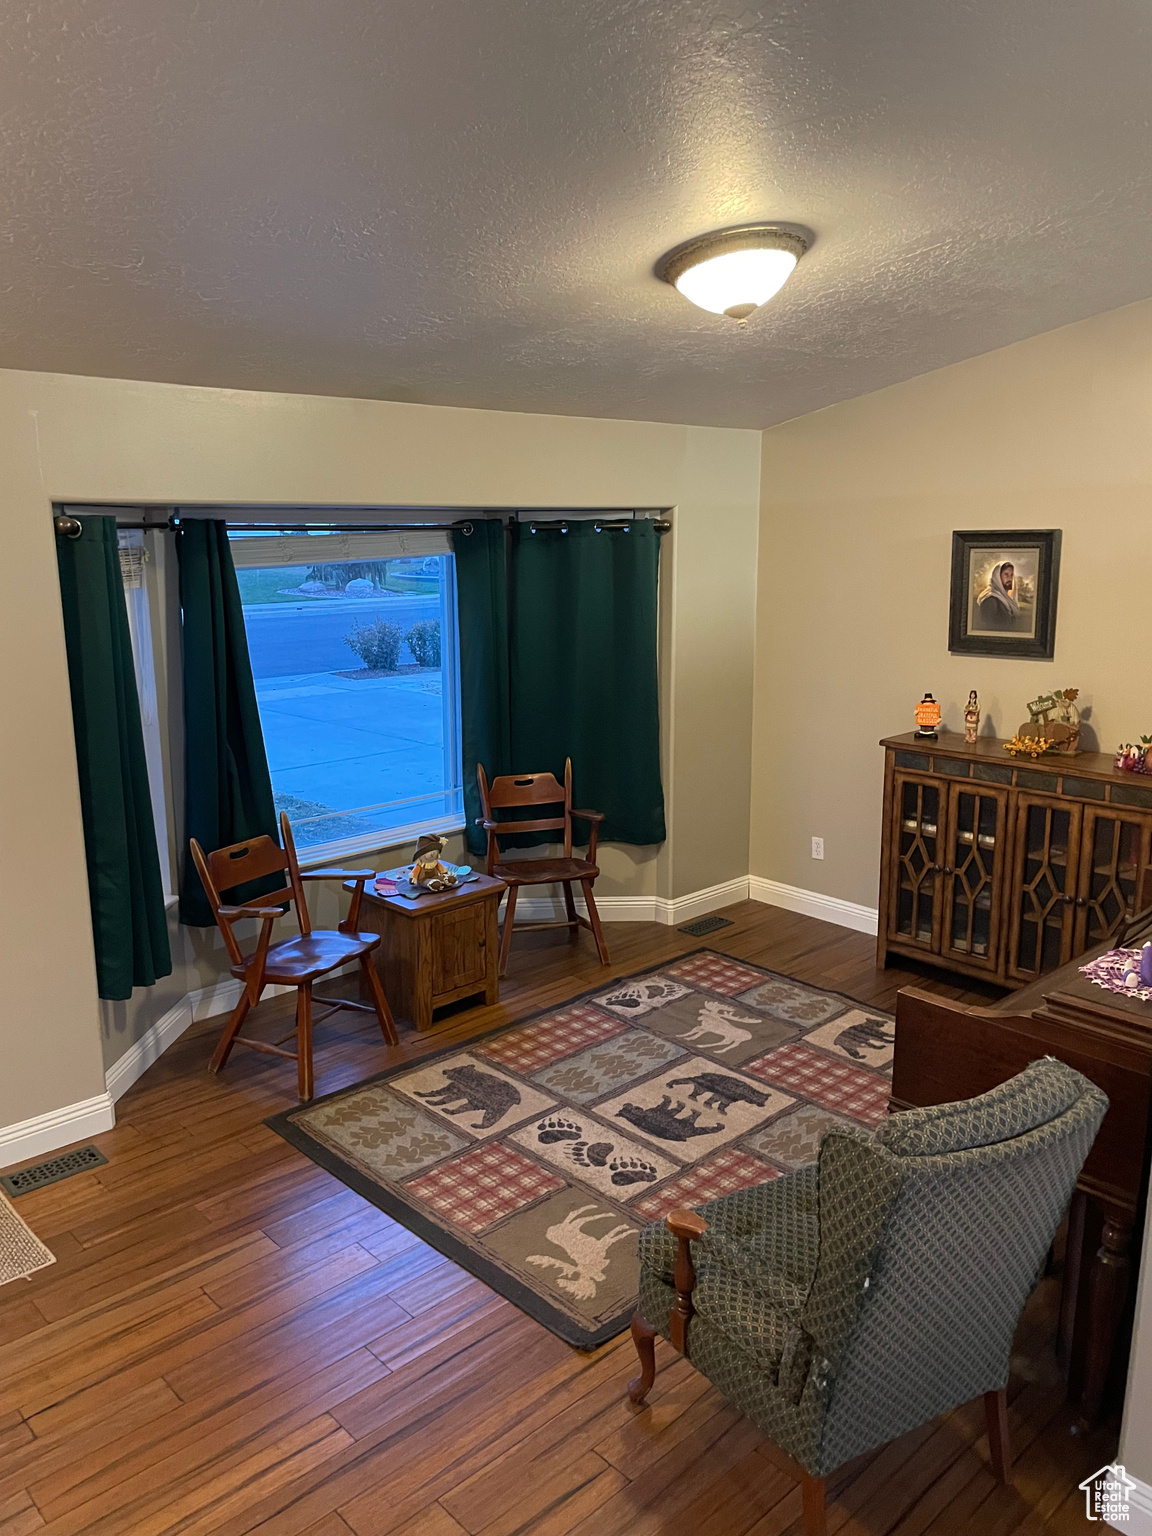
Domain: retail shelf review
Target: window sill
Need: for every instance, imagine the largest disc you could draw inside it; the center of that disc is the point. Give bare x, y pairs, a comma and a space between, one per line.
320, 854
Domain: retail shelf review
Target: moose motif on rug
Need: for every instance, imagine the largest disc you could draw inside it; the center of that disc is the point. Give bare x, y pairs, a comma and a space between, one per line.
588, 1255
718, 1029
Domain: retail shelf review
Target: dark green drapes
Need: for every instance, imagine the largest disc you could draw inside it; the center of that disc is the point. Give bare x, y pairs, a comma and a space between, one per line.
482, 607
581, 665
227, 788
124, 885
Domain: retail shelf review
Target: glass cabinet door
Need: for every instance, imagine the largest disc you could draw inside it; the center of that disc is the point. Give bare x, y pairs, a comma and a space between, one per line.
974, 858
914, 911
1044, 885
1114, 853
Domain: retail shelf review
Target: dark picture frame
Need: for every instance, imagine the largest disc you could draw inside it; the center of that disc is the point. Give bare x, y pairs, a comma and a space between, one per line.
1005, 583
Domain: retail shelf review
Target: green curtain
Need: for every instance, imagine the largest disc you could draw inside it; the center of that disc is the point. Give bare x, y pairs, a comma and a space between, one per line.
227, 787
124, 885
482, 607
583, 668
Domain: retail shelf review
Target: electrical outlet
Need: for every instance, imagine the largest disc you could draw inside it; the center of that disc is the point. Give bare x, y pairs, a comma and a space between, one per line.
817, 847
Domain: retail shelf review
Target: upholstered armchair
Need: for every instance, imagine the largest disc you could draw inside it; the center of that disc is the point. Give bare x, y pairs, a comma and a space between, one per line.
851, 1301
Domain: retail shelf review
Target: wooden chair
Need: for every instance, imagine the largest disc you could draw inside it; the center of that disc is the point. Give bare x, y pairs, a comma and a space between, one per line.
297, 962
510, 792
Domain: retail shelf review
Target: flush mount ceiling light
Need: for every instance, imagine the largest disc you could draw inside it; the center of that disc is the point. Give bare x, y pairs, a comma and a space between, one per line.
734, 271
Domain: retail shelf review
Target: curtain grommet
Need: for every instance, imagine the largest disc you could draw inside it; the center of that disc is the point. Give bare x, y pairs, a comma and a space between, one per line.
67, 527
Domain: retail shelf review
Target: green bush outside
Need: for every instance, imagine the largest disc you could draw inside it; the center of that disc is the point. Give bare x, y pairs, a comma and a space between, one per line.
376, 644
424, 642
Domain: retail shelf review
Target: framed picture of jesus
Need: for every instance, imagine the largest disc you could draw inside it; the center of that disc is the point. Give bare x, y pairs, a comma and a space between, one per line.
1004, 588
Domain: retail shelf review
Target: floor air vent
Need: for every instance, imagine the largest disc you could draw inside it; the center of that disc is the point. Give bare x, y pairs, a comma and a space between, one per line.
51, 1171
704, 925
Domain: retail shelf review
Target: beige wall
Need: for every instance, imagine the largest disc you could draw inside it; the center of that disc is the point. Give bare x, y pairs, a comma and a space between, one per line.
858, 507
70, 438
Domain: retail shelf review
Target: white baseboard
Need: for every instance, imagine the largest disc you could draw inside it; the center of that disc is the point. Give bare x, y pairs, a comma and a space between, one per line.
59, 1127
829, 909
637, 909
1139, 1521
223, 995
201, 1003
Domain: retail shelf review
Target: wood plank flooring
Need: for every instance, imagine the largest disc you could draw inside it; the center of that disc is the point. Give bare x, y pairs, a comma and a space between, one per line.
232, 1342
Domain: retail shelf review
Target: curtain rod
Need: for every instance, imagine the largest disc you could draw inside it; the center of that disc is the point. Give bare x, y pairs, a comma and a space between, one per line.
70, 527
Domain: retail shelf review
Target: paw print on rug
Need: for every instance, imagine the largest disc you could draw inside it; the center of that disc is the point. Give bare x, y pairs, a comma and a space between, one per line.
631, 1170
556, 1128
591, 1155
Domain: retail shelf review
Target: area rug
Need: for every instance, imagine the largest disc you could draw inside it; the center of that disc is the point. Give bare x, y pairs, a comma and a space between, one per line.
21, 1251
533, 1156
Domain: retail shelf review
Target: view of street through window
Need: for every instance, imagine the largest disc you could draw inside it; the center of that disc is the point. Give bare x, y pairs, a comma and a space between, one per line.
359, 737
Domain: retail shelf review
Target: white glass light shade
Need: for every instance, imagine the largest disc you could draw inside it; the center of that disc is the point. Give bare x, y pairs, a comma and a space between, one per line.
737, 282
734, 271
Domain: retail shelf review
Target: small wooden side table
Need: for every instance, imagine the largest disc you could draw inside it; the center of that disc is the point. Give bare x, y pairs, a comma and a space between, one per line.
436, 949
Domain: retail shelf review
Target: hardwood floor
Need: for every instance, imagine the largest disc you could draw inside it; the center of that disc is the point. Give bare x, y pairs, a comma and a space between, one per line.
233, 1342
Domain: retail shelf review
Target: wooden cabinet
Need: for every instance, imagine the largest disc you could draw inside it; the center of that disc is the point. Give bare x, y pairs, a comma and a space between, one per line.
974, 874
1006, 869
437, 949
914, 904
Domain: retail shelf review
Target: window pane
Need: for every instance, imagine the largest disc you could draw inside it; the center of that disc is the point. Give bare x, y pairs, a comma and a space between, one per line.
355, 665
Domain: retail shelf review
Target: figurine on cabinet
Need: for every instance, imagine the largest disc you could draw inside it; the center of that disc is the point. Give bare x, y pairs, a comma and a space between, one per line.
971, 719
927, 718
1062, 730
427, 868
1131, 758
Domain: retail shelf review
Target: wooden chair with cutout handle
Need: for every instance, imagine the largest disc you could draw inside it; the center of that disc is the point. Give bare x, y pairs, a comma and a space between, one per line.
297, 962
512, 792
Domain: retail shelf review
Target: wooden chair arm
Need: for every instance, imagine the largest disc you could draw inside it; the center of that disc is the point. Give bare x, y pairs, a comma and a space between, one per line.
594, 818
687, 1227
356, 878
258, 959
493, 849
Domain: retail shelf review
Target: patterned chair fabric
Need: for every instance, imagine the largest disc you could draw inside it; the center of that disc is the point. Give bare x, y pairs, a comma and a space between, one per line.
1024, 1102
847, 1303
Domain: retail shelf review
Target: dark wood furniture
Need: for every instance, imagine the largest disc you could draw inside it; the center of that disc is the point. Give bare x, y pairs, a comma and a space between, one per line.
297, 962
436, 949
1006, 868
513, 793
947, 1050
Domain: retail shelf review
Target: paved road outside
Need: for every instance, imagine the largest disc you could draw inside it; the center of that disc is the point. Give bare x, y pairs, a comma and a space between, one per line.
288, 639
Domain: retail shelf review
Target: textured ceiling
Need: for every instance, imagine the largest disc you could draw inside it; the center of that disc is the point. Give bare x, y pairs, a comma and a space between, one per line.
460, 201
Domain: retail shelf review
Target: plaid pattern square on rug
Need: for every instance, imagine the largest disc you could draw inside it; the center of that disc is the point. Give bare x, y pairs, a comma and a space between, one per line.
533, 1155
477, 1188
724, 1173
558, 1034
715, 973
832, 1083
